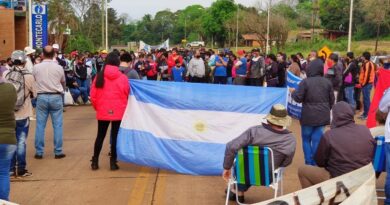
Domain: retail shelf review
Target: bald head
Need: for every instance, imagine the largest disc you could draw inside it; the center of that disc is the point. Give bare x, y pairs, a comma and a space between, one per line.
48, 52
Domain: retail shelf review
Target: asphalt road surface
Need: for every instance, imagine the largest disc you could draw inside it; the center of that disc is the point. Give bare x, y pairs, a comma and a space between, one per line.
70, 181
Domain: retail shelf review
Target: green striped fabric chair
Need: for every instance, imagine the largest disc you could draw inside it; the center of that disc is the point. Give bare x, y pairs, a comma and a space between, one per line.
255, 166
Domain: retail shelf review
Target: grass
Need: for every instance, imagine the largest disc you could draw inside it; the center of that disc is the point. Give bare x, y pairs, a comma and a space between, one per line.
340, 45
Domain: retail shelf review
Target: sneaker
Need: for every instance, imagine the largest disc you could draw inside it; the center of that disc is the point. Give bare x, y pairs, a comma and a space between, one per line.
87, 103
12, 174
362, 117
60, 156
37, 156
25, 173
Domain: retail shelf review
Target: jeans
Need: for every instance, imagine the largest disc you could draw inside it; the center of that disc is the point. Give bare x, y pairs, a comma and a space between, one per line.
387, 184
85, 84
366, 98
220, 79
49, 104
6, 153
19, 158
76, 92
311, 137
229, 80
349, 96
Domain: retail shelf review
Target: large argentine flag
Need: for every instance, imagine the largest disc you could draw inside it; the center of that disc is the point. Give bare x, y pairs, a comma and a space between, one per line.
184, 127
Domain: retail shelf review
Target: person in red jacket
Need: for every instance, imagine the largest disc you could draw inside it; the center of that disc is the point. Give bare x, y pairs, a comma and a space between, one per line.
172, 60
109, 94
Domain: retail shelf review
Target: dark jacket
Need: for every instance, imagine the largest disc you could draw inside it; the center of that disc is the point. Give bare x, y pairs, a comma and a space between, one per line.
316, 94
347, 146
335, 76
7, 114
282, 74
282, 144
352, 69
81, 71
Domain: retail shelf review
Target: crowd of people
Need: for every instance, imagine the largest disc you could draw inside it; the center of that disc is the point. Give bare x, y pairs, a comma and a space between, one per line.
31, 80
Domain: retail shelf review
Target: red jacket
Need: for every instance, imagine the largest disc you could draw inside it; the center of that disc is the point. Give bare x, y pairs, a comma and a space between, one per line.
172, 62
110, 101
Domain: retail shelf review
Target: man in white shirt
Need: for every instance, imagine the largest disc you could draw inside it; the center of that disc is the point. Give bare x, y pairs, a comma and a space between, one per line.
50, 82
29, 53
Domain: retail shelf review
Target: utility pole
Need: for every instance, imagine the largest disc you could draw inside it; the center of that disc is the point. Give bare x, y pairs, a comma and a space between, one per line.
267, 48
30, 37
238, 9
106, 26
350, 26
102, 24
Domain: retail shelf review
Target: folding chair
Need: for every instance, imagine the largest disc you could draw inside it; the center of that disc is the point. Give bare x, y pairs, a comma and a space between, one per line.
379, 160
255, 166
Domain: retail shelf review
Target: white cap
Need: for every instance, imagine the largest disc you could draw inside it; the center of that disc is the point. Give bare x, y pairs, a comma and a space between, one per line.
56, 46
28, 50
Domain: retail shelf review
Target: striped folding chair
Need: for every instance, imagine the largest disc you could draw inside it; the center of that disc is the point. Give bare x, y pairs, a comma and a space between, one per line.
379, 160
255, 166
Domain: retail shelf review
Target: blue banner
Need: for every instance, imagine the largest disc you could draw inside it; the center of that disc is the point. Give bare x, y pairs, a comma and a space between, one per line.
294, 109
39, 25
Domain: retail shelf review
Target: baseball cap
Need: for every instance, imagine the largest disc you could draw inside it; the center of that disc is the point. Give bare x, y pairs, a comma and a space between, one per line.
18, 55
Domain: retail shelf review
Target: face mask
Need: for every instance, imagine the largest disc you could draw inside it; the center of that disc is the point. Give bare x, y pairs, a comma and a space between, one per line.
312, 59
386, 65
197, 56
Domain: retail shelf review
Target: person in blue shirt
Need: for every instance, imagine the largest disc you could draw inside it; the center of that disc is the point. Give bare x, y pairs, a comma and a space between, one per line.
178, 72
220, 74
241, 69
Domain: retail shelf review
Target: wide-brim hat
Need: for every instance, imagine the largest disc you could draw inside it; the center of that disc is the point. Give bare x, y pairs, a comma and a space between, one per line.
279, 116
29, 50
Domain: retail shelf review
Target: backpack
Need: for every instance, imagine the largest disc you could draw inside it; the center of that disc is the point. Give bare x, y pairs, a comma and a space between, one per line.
16, 78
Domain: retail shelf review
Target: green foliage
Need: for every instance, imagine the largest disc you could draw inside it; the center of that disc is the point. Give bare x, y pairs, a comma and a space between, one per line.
213, 22
306, 46
81, 43
334, 14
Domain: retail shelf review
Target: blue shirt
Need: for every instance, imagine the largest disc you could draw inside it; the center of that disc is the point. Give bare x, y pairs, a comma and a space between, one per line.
177, 74
243, 67
220, 70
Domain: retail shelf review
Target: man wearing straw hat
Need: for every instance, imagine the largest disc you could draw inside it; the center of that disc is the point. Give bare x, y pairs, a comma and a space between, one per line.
272, 134
29, 52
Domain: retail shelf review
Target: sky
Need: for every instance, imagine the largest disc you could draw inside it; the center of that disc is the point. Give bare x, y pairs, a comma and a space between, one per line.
136, 9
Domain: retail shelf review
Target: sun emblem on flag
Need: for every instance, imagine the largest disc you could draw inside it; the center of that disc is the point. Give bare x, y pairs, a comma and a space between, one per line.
199, 126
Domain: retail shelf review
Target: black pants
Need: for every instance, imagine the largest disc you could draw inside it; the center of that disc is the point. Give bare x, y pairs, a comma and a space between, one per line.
152, 78
102, 131
220, 80
197, 79
357, 94
256, 81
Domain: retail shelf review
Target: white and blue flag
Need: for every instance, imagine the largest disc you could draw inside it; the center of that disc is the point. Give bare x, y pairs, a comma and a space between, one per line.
184, 127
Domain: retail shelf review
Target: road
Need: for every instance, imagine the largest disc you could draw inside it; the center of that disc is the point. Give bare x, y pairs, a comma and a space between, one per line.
70, 181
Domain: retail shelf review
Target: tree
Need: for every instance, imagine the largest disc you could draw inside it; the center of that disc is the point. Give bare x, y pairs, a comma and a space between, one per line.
215, 18
81, 43
61, 15
377, 12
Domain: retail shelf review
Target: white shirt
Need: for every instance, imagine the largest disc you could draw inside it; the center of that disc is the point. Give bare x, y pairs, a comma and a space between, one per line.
384, 106
49, 77
29, 65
